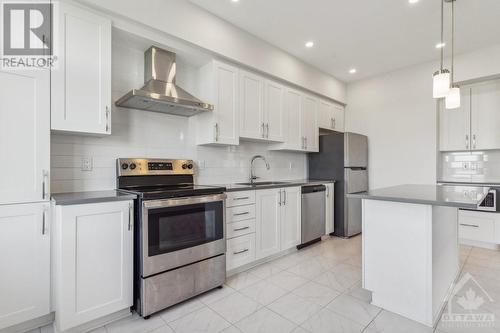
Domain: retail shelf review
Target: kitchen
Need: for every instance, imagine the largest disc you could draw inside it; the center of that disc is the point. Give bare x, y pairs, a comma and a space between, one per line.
268, 119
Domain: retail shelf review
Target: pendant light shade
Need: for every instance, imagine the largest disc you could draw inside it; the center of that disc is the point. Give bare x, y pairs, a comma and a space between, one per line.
441, 83
452, 100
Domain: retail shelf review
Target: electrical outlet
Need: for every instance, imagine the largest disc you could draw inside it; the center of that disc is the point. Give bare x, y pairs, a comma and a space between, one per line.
87, 164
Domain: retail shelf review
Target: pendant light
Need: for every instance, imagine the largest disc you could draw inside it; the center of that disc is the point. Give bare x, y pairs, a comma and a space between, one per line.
441, 78
452, 100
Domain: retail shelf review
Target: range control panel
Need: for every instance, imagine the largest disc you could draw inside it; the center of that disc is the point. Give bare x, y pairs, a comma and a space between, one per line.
146, 167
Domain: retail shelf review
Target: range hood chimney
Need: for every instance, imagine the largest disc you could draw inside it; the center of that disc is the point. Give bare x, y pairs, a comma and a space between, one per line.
160, 93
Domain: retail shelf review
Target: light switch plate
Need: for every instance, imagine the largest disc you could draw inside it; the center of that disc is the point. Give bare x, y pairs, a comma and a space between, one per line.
87, 163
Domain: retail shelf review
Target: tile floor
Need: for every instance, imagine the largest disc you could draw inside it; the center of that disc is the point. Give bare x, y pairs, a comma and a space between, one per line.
317, 289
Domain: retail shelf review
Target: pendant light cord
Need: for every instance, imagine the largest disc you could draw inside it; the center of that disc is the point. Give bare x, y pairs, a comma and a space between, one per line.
442, 33
452, 40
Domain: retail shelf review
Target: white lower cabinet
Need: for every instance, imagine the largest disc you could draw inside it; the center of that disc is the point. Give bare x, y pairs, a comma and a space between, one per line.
268, 217
240, 251
278, 217
291, 217
479, 226
24, 263
93, 261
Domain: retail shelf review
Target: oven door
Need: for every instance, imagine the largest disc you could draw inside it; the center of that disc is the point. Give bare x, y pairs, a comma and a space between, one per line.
181, 231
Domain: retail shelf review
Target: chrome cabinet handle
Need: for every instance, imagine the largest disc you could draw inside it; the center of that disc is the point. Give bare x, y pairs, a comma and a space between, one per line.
466, 141
334, 123
327, 192
216, 134
45, 178
284, 197
267, 130
107, 119
305, 142
242, 198
44, 221
280, 202
239, 229
240, 214
242, 251
474, 141
469, 225
130, 213
263, 130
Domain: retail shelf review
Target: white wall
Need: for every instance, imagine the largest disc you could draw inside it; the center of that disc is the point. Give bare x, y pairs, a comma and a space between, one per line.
184, 20
399, 115
138, 133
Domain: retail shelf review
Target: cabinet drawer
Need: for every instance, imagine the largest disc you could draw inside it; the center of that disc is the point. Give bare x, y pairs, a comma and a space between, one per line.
240, 213
240, 198
240, 228
240, 251
478, 226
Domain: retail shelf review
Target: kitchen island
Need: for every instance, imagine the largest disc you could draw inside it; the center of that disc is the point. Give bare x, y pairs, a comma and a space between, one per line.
410, 246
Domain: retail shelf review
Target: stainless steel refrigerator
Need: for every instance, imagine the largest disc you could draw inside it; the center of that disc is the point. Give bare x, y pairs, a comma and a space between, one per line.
344, 158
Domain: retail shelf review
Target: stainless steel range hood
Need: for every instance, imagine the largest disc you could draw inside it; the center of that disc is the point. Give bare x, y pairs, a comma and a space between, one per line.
160, 93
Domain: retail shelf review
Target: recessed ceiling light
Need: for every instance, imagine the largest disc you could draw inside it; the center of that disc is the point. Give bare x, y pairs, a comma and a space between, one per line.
352, 71
440, 45
235, 0
309, 44
413, 1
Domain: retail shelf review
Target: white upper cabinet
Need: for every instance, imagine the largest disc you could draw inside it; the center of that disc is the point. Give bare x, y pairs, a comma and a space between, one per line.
309, 122
252, 122
485, 116
24, 135
293, 127
81, 82
274, 100
94, 260
338, 118
24, 263
330, 116
476, 124
219, 85
455, 125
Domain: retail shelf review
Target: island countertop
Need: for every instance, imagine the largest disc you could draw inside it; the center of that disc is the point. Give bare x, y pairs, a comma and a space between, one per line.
437, 195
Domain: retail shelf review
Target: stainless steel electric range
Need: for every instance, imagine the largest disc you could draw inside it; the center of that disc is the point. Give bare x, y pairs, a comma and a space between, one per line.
179, 232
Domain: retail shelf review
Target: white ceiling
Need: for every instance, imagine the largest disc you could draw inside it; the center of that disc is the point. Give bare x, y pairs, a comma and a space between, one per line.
373, 36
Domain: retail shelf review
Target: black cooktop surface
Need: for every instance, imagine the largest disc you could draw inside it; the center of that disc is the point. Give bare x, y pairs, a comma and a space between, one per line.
173, 191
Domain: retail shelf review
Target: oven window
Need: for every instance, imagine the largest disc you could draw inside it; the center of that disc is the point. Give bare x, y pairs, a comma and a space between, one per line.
180, 227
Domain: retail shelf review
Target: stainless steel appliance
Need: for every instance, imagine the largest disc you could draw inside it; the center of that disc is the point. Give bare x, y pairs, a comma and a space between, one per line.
344, 158
160, 92
313, 214
179, 235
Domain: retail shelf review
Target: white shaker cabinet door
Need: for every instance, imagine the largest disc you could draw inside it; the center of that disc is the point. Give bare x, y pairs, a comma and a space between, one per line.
291, 217
252, 123
455, 125
293, 128
309, 122
338, 118
267, 227
24, 263
24, 135
485, 116
274, 97
94, 256
81, 82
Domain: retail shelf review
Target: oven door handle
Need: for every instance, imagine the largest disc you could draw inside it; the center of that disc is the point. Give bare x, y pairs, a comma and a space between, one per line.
183, 201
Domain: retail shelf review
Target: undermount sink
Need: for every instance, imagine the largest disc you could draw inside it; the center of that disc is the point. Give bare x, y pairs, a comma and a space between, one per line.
261, 183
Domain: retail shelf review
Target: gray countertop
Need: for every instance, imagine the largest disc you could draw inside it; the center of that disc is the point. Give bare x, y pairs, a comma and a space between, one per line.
76, 198
276, 184
437, 195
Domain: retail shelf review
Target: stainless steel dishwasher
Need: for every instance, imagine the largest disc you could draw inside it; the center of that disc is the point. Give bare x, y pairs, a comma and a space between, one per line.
313, 214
